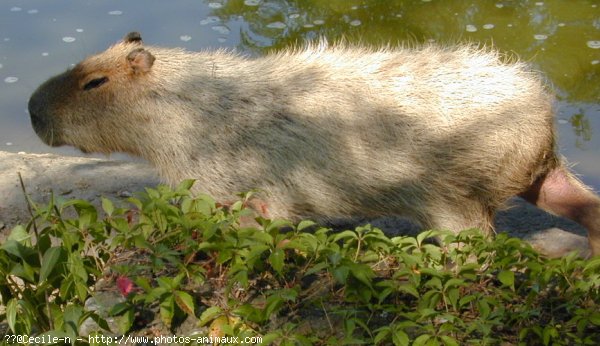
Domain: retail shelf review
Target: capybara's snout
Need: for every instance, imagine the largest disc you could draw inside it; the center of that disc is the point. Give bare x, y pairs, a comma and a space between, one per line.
44, 107
39, 119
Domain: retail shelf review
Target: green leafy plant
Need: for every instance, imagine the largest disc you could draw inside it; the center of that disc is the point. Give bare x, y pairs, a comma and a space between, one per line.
46, 273
188, 257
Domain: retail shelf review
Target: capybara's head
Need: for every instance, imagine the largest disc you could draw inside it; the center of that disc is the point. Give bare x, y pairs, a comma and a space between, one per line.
85, 105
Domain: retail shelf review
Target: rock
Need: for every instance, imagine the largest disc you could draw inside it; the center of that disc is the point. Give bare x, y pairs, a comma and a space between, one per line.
101, 303
555, 242
125, 194
77, 177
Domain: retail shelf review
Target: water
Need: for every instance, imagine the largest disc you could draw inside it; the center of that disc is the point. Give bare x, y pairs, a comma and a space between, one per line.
41, 38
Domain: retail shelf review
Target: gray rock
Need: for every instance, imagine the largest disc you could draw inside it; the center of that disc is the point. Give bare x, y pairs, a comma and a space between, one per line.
71, 177
101, 303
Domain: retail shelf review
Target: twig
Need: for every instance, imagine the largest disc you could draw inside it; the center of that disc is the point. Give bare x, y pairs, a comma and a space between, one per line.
37, 238
327, 317
30, 209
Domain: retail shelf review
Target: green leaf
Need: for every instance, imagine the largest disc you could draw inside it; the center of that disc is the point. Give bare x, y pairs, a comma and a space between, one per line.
82, 290
107, 206
255, 253
305, 224
426, 235
12, 308
66, 287
592, 265
126, 321
185, 185
119, 308
236, 206
269, 339
466, 299
167, 310
185, 302
449, 341
484, 308
273, 304
454, 282
257, 236
595, 318
19, 234
434, 282
430, 299
549, 333
143, 283
434, 273
155, 293
382, 334
278, 224
400, 338
317, 268
409, 288
362, 272
344, 235
166, 282
24, 271
421, 340
76, 267
71, 317
507, 278
276, 259
209, 314
49, 261
453, 296
15, 248
177, 280
240, 276
136, 202
341, 274
85, 210
101, 322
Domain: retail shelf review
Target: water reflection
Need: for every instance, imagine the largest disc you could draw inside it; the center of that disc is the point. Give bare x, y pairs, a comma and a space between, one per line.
561, 38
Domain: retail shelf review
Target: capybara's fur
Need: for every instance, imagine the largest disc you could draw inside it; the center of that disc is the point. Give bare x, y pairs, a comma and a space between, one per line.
443, 136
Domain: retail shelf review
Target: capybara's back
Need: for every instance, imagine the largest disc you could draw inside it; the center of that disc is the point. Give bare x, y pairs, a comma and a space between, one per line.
443, 136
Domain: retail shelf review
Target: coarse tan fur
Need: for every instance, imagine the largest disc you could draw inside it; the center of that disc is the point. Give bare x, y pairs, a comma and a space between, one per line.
441, 135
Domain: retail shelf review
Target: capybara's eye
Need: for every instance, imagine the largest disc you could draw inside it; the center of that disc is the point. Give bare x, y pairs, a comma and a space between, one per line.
94, 83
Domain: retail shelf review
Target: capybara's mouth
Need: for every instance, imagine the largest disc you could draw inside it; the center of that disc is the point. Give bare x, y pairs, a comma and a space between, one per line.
84, 150
49, 137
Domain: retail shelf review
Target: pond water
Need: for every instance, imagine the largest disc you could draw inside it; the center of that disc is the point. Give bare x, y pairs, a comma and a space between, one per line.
40, 38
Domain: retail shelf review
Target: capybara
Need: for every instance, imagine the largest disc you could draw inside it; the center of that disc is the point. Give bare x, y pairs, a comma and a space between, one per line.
441, 135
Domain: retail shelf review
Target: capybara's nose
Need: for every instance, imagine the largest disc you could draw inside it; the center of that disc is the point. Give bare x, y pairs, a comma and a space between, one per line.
39, 120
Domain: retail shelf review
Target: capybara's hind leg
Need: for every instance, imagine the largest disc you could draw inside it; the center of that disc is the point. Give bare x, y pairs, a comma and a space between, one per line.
561, 193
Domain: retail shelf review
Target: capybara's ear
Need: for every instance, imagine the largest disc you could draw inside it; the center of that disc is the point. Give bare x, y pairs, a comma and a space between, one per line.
133, 37
140, 60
